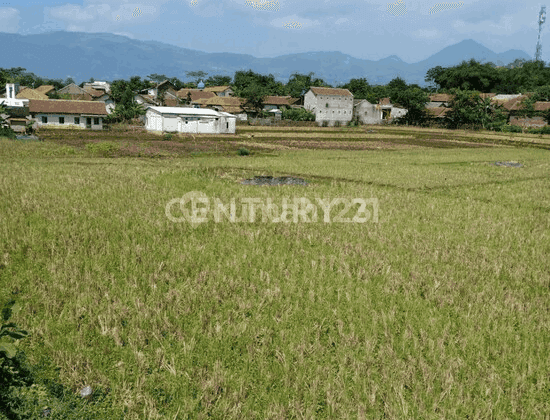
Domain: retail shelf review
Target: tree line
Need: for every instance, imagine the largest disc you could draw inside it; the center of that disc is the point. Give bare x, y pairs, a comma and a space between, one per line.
464, 81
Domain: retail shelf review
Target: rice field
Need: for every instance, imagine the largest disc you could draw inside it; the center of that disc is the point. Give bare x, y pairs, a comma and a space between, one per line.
437, 309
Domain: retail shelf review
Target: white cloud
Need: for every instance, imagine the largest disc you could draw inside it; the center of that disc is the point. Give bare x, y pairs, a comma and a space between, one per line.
504, 27
9, 19
294, 21
72, 13
341, 20
426, 33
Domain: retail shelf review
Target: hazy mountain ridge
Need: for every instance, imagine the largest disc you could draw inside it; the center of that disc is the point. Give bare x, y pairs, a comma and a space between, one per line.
108, 57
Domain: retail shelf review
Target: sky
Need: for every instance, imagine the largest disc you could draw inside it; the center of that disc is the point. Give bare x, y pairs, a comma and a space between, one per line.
368, 29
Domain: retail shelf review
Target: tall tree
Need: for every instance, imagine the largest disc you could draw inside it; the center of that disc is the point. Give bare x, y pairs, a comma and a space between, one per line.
359, 87
197, 76
414, 101
127, 109
468, 109
298, 84
218, 80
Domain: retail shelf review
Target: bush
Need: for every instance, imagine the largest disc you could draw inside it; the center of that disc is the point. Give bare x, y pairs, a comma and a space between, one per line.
103, 148
337, 123
168, 136
325, 124
297, 114
243, 152
7, 132
512, 129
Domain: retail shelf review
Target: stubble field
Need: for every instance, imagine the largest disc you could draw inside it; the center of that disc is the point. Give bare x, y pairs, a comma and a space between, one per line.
438, 310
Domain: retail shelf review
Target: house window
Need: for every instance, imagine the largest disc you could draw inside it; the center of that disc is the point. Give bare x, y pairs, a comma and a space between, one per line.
88, 121
44, 120
227, 125
96, 121
326, 105
77, 120
61, 120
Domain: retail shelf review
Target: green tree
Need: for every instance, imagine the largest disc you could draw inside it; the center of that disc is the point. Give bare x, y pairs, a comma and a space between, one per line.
127, 109
68, 81
218, 80
395, 85
254, 97
197, 76
414, 101
360, 88
298, 84
118, 87
468, 109
157, 78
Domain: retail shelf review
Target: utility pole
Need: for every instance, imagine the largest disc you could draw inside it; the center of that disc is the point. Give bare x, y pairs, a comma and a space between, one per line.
542, 19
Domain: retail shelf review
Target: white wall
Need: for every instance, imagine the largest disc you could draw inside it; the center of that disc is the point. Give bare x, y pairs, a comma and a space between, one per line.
188, 123
53, 120
330, 108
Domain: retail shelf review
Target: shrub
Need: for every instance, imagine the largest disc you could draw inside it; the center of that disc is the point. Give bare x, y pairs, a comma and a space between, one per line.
168, 136
337, 123
325, 123
243, 152
103, 148
7, 132
512, 129
297, 114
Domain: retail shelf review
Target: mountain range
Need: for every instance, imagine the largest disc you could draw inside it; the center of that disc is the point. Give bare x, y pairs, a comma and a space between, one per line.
104, 56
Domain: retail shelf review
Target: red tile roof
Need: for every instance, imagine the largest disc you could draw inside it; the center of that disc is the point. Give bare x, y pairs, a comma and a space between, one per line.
280, 100
94, 92
45, 89
441, 97
330, 91
542, 106
217, 88
515, 104
195, 94
55, 106
438, 112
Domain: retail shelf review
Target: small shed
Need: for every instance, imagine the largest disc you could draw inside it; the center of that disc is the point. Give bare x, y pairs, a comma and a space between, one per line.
189, 120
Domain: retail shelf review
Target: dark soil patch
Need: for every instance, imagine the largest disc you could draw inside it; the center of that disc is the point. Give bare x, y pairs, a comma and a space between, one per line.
270, 180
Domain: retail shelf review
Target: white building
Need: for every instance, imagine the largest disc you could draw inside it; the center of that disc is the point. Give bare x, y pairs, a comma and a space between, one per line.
12, 89
104, 86
69, 114
189, 120
329, 105
384, 111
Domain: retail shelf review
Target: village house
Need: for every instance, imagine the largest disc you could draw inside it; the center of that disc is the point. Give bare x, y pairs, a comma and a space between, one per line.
384, 111
107, 100
75, 92
330, 106
194, 95
223, 91
63, 113
232, 105
105, 87
189, 120
278, 102
45, 89
157, 91
439, 100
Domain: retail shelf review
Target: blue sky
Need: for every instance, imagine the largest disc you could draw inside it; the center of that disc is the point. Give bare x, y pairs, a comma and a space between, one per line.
369, 29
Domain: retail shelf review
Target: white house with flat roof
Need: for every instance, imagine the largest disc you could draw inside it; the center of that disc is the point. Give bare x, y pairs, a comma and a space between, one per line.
12, 89
189, 120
